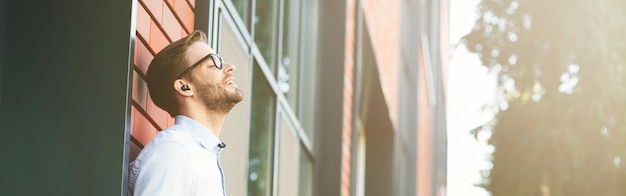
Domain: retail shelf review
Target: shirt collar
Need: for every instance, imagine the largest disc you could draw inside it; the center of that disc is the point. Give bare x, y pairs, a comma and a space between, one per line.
203, 135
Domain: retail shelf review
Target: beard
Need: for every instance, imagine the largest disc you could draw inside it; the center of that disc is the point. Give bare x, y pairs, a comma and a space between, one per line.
217, 99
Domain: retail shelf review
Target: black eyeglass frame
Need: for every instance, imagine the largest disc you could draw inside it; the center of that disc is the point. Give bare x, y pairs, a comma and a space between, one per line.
218, 62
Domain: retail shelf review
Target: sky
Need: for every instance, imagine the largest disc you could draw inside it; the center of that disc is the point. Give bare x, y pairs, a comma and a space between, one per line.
470, 86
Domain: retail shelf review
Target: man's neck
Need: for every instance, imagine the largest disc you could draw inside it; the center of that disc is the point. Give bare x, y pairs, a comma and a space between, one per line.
211, 120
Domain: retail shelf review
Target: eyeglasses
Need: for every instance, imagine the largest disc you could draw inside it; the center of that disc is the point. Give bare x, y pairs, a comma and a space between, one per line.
217, 61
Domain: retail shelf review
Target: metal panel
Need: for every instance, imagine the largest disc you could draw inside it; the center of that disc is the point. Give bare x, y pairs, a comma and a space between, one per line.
65, 97
4, 15
289, 155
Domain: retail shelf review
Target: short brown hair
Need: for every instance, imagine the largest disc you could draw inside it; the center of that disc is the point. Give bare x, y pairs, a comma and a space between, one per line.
165, 68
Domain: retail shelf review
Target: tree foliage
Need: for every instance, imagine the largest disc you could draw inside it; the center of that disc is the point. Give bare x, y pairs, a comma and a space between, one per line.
560, 128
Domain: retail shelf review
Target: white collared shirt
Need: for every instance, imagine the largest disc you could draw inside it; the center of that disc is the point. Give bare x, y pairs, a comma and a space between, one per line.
180, 160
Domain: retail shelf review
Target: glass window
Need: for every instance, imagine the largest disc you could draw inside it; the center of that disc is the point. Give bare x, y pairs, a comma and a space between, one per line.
261, 135
288, 69
243, 8
265, 30
309, 67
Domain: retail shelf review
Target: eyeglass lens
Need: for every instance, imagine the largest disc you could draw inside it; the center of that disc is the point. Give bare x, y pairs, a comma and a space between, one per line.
217, 60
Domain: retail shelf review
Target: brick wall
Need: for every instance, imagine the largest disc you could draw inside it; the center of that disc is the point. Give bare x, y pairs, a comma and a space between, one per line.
384, 20
348, 94
158, 22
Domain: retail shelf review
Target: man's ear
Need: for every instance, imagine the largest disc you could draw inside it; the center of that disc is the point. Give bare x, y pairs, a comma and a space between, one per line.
183, 88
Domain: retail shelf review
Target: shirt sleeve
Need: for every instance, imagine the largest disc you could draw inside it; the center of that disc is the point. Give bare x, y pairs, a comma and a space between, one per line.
165, 172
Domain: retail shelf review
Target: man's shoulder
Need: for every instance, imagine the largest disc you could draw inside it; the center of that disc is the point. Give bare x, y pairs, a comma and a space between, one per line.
172, 138
169, 149
174, 134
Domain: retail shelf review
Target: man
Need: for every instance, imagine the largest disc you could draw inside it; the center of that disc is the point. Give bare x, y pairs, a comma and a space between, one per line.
194, 85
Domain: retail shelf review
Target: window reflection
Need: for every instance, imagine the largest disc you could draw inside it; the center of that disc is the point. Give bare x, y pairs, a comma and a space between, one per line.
288, 71
265, 30
261, 135
243, 8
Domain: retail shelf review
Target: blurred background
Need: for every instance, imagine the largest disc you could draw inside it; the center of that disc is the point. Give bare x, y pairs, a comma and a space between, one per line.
471, 88
536, 100
343, 97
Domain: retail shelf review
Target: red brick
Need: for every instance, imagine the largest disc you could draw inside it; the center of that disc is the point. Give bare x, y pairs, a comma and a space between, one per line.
158, 40
140, 90
154, 7
170, 121
157, 114
143, 56
143, 21
192, 3
185, 14
171, 25
142, 129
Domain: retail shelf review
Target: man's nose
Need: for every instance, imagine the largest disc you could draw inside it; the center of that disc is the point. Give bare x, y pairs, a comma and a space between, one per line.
229, 68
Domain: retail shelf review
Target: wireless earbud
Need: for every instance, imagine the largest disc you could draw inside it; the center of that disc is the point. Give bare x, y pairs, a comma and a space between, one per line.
185, 87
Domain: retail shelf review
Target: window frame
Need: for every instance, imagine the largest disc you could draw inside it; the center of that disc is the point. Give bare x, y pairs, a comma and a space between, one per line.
225, 10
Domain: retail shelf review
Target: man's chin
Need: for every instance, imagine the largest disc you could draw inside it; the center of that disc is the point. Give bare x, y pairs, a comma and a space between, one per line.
237, 96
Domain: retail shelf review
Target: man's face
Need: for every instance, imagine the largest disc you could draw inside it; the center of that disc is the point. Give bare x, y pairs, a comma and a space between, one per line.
215, 87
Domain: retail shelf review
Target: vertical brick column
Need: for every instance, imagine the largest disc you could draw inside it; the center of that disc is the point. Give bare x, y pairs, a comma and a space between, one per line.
348, 94
159, 22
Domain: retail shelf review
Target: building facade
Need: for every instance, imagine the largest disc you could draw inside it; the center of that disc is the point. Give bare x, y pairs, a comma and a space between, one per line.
341, 97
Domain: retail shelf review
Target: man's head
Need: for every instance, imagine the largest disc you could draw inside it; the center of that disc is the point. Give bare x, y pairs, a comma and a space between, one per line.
189, 69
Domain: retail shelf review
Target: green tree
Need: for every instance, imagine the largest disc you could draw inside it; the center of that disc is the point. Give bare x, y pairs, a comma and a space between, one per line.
560, 126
